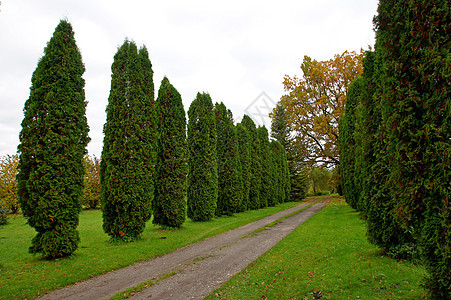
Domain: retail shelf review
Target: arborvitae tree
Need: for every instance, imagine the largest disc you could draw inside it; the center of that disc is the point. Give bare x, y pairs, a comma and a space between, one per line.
348, 144
255, 168
202, 161
128, 151
265, 160
230, 187
245, 163
169, 204
286, 177
52, 145
280, 131
279, 181
413, 43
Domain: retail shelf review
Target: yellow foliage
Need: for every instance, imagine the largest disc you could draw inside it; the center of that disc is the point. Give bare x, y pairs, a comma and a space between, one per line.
91, 191
315, 102
8, 183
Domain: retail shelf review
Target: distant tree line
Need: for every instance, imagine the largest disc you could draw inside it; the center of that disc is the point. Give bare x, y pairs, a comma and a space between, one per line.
154, 162
395, 137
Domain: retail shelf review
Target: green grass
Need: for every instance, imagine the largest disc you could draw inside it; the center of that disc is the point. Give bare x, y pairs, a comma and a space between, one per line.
24, 275
327, 257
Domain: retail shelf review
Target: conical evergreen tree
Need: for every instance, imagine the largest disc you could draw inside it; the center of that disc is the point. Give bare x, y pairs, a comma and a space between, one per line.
255, 169
280, 131
265, 160
52, 145
202, 161
128, 155
243, 140
230, 187
278, 190
169, 205
348, 144
413, 44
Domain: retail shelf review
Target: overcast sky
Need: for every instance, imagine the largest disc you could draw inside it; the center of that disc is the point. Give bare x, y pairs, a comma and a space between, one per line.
238, 51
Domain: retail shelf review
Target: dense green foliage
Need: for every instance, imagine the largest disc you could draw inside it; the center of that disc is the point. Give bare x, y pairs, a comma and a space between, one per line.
346, 138
202, 159
169, 203
244, 145
52, 144
267, 183
230, 186
278, 169
8, 183
255, 169
403, 129
128, 157
281, 132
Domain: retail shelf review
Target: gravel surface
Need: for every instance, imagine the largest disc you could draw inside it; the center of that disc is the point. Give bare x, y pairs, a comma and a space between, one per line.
200, 268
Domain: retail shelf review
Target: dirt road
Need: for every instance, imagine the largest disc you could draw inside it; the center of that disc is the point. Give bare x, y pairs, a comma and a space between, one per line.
200, 268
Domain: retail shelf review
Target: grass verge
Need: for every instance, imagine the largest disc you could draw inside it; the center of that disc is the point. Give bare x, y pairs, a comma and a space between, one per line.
26, 276
327, 257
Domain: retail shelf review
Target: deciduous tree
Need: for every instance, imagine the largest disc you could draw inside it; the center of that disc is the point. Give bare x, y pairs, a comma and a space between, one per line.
315, 102
8, 182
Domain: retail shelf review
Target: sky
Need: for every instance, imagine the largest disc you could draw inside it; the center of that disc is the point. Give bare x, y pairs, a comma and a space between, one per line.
237, 51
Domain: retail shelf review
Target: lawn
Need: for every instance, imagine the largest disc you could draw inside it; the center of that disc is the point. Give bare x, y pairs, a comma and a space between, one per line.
327, 257
24, 275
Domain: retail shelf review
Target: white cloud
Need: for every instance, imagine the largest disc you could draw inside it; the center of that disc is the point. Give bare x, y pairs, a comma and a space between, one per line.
234, 50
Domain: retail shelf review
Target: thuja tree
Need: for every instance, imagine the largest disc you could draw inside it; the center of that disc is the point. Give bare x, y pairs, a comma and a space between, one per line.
266, 164
281, 132
52, 145
202, 159
413, 44
255, 165
128, 150
169, 204
244, 145
348, 144
278, 179
230, 186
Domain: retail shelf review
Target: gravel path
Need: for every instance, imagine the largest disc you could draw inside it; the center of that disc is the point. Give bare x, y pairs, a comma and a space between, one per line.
200, 268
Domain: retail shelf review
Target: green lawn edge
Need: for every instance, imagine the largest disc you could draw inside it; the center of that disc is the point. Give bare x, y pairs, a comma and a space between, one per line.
327, 257
26, 276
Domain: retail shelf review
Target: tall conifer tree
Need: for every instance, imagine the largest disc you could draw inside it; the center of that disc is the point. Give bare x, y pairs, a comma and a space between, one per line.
255, 168
169, 205
128, 152
230, 187
245, 163
52, 145
265, 160
202, 161
413, 44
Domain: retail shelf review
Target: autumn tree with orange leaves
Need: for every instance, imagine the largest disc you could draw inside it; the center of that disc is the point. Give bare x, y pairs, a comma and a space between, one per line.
315, 102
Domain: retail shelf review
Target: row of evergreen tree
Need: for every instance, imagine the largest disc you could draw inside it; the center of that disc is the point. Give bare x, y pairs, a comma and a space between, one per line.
395, 137
153, 161
152, 164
